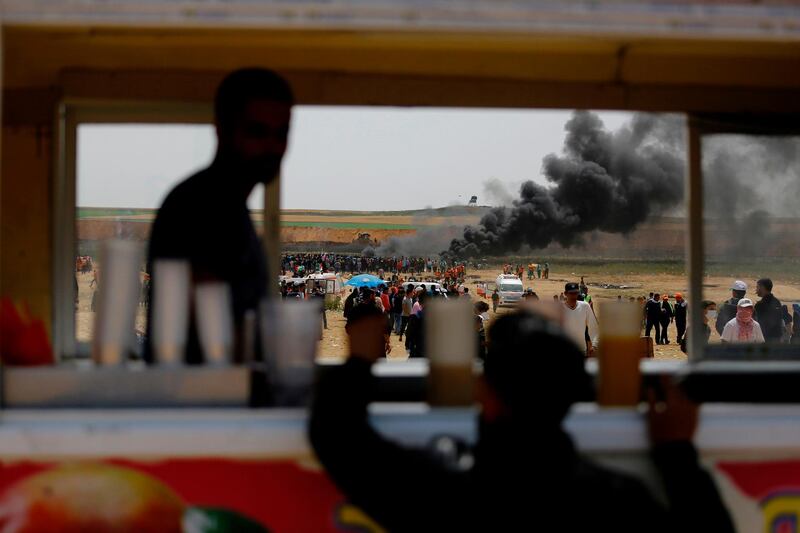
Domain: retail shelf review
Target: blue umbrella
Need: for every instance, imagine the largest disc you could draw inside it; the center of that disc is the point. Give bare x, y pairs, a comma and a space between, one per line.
365, 280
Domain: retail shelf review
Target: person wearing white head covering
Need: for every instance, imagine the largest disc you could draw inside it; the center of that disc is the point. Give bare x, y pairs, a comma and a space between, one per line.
728, 308
742, 328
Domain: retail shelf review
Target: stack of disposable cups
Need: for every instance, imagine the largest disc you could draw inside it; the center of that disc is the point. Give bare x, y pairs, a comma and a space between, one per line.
214, 315
451, 345
119, 287
289, 335
170, 317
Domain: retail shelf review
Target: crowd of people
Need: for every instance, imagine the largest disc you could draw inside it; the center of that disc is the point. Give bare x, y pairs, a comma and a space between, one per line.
403, 308
300, 264
535, 270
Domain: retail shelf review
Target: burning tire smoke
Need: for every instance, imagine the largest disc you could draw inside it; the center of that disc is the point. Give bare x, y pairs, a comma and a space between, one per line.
606, 181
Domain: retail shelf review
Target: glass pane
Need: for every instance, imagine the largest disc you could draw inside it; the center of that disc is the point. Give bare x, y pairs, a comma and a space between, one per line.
124, 171
752, 218
567, 195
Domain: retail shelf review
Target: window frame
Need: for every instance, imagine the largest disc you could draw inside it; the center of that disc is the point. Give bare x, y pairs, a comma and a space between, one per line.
698, 126
72, 113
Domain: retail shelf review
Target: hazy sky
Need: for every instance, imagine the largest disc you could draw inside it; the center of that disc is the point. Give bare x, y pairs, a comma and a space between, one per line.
339, 157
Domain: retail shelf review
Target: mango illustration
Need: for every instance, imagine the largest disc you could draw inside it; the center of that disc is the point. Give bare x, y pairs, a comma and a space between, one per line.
90, 497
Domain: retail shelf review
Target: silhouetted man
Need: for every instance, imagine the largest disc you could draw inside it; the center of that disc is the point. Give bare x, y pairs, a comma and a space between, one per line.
665, 319
205, 218
680, 316
524, 473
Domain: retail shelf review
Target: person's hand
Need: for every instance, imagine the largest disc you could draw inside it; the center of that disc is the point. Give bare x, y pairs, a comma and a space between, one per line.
366, 337
673, 418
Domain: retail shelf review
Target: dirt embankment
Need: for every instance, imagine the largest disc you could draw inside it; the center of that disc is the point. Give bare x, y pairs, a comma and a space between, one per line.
658, 238
293, 235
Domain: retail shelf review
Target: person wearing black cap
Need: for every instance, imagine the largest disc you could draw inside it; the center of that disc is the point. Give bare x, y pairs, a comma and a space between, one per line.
532, 375
580, 324
252, 111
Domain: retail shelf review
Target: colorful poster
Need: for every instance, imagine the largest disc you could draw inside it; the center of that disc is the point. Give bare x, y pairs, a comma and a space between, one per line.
180, 495
762, 495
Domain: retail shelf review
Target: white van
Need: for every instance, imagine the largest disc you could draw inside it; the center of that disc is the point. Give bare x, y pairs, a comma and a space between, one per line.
510, 289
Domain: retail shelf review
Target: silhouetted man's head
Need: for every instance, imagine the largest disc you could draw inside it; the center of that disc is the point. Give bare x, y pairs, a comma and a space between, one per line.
252, 110
534, 370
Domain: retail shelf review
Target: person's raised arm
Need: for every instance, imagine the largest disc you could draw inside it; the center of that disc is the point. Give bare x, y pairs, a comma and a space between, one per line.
694, 502
374, 473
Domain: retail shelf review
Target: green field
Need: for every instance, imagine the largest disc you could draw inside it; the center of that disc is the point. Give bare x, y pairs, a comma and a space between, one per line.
95, 212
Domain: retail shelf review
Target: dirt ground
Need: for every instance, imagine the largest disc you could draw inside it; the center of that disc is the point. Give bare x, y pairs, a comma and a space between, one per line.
334, 341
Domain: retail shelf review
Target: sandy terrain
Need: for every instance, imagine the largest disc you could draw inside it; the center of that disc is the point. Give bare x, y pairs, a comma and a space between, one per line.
334, 343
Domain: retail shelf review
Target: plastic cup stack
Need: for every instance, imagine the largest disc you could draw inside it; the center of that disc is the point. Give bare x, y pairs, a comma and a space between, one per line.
172, 283
119, 287
214, 315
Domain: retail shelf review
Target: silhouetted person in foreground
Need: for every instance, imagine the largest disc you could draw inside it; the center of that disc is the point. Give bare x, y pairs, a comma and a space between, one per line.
205, 218
524, 473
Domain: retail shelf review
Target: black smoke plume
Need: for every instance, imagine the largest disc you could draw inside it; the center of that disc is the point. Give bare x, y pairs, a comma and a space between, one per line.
606, 181
749, 181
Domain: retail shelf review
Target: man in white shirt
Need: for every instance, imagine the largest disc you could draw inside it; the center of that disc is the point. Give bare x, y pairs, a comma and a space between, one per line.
578, 316
742, 327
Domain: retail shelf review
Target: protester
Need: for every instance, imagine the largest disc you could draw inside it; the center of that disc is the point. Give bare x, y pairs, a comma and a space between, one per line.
665, 318
742, 328
415, 332
319, 296
728, 309
578, 318
768, 312
397, 309
680, 316
481, 309
349, 303
653, 316
546, 271
709, 314
408, 306
787, 321
480, 337
795, 324
495, 300
524, 472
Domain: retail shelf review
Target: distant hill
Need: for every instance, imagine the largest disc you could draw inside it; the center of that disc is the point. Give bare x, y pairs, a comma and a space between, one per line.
659, 237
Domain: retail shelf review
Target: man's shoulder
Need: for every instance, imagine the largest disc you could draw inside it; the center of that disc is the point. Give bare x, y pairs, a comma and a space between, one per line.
191, 190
